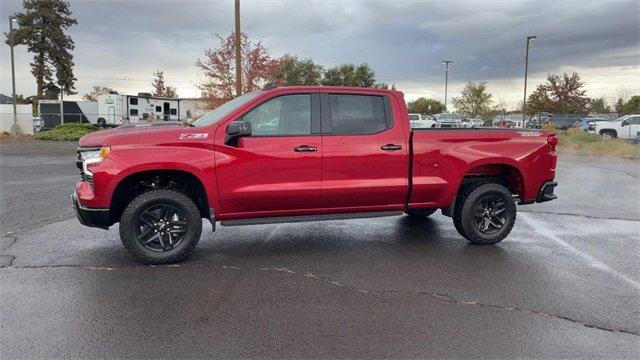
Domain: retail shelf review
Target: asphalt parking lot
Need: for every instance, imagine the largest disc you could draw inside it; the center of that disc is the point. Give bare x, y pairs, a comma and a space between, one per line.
565, 283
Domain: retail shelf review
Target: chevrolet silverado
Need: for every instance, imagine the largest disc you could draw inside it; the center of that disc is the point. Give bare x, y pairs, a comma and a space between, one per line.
305, 154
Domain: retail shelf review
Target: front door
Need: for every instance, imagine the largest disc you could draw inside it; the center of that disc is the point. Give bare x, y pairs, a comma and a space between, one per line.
276, 170
631, 128
364, 154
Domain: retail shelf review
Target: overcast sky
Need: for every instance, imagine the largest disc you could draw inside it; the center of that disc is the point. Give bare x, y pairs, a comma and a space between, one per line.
121, 43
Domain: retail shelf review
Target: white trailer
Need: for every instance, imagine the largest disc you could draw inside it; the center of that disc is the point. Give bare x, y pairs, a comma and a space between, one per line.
116, 109
74, 112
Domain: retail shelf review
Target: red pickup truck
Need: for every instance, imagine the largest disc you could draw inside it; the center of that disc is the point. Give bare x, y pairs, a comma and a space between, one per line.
305, 154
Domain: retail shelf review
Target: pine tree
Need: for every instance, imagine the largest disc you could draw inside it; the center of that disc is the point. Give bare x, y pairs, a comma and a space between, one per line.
42, 26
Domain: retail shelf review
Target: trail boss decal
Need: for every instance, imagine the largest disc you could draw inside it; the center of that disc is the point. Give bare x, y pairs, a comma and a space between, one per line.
194, 136
529, 133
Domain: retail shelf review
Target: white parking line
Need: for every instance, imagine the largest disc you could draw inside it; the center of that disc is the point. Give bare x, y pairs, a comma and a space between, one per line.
543, 229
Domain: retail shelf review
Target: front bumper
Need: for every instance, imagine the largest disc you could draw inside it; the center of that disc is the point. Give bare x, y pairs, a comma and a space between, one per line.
546, 192
90, 217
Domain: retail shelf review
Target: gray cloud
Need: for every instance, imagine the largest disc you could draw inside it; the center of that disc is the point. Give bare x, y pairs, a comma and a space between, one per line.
403, 40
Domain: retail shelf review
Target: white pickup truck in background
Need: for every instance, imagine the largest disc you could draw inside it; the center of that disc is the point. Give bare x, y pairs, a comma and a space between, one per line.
625, 127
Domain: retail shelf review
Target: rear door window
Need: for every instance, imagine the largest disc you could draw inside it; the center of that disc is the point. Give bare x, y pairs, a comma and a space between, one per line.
357, 114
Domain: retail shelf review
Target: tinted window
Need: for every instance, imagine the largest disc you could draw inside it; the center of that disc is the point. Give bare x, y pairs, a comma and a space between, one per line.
635, 120
133, 112
174, 111
357, 114
133, 101
284, 115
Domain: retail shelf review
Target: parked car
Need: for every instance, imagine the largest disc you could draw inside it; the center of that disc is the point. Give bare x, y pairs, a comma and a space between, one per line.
625, 127
350, 154
449, 120
418, 121
37, 124
472, 123
564, 121
591, 121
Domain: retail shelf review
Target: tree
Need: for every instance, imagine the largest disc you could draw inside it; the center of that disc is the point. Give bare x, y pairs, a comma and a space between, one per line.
350, 75
42, 27
159, 88
475, 101
632, 106
218, 66
599, 106
292, 71
422, 105
97, 90
561, 94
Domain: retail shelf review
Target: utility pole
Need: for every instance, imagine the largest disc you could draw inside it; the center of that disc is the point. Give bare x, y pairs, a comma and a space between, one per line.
530, 38
61, 105
238, 52
446, 81
15, 128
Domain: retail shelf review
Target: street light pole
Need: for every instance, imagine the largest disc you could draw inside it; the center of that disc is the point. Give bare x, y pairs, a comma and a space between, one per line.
15, 128
446, 81
238, 53
61, 105
530, 38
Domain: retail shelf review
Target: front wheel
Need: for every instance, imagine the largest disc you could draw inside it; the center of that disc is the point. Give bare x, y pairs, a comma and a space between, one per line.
486, 213
160, 226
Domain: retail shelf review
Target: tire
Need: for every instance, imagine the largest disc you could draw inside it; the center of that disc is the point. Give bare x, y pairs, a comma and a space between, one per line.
492, 201
611, 134
420, 213
167, 221
101, 122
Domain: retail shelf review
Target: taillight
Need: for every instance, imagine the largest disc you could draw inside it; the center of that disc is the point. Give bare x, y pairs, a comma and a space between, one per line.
552, 140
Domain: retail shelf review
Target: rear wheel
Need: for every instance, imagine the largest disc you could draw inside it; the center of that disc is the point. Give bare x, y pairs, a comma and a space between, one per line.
485, 213
420, 213
160, 226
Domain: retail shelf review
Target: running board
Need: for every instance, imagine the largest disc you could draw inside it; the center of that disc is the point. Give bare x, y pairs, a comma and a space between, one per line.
307, 218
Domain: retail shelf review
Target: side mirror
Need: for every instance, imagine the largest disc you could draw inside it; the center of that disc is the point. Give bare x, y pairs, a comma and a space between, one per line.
236, 130
625, 123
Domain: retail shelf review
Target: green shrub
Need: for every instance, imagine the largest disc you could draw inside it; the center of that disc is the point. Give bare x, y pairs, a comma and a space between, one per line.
549, 126
67, 132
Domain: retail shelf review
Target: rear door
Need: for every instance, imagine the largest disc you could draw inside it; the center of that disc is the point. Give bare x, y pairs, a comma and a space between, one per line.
276, 170
364, 156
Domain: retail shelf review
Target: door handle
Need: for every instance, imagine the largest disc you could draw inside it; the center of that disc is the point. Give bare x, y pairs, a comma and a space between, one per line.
305, 148
391, 147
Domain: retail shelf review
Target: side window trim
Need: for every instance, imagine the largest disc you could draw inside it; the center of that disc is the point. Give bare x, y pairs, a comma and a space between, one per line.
315, 115
326, 114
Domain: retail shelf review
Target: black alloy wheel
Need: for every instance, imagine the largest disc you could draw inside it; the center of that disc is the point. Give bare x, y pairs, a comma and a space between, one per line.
161, 227
489, 213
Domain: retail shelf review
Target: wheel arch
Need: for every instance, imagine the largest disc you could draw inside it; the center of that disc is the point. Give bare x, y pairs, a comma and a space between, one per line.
509, 174
141, 181
614, 132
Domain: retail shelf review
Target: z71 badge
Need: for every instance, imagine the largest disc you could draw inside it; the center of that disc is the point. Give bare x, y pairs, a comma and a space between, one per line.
194, 136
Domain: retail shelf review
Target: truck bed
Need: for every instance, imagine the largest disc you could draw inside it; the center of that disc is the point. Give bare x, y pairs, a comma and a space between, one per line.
441, 158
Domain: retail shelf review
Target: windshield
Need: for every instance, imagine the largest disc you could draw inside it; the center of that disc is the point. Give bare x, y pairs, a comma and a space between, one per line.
225, 109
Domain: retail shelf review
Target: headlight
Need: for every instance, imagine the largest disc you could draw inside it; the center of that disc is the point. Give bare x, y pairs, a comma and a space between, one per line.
93, 156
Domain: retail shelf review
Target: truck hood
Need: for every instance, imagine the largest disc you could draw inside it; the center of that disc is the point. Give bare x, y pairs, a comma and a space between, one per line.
141, 134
